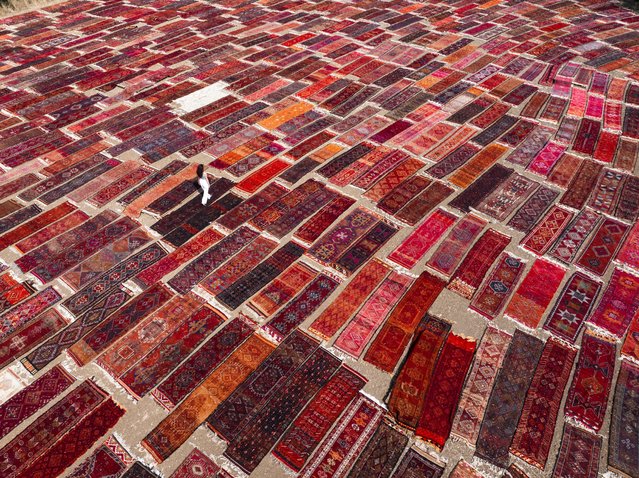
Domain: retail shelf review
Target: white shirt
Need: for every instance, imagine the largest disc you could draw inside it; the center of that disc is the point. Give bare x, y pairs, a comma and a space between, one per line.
204, 184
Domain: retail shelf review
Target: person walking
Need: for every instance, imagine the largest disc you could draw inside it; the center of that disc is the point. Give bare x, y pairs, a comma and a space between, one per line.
203, 182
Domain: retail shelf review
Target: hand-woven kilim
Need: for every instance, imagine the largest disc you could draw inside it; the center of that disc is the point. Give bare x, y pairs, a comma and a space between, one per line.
198, 464
507, 398
174, 430
355, 293
621, 456
603, 246
282, 289
451, 251
65, 239
413, 248
469, 274
445, 389
104, 284
30, 399
356, 335
474, 398
73, 445
304, 435
106, 258
588, 396
25, 448
498, 286
118, 324
618, 304
409, 387
572, 307
534, 294
109, 458
381, 453
534, 435
395, 335
192, 371
159, 362
336, 453
579, 454
269, 424
302, 306
400, 180
25, 312
134, 345
232, 415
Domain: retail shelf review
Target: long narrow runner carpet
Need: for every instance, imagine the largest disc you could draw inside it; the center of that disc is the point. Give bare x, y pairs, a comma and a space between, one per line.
59, 264
395, 335
588, 395
474, 398
413, 248
622, 456
101, 337
303, 437
381, 454
579, 454
572, 307
348, 301
104, 284
65, 240
166, 356
481, 256
535, 292
247, 285
451, 252
108, 257
281, 290
409, 387
30, 335
25, 312
175, 429
32, 398
176, 258
491, 296
236, 412
507, 398
144, 335
618, 303
445, 389
65, 338
269, 424
603, 246
48, 428
301, 307
210, 259
360, 330
534, 436
74, 444
337, 452
193, 371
